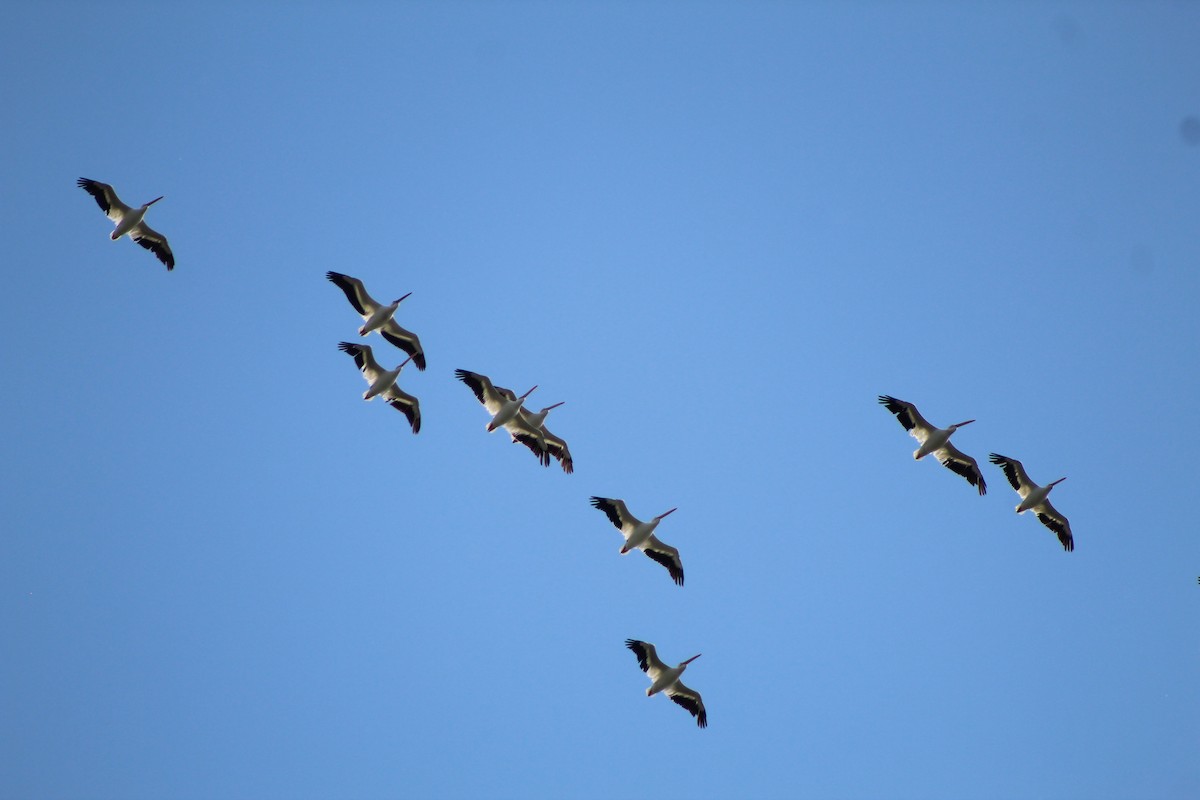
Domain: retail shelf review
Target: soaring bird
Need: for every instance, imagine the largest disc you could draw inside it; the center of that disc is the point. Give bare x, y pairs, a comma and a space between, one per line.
383, 382
640, 535
936, 441
1036, 498
502, 407
529, 428
378, 316
666, 679
129, 220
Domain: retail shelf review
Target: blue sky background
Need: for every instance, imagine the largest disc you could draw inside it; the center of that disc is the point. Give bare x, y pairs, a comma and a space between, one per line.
718, 231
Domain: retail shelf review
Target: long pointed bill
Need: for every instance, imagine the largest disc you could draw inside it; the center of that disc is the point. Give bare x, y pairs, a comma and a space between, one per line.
155, 200
1057, 482
665, 513
522, 397
410, 358
399, 299
968, 422
693, 658
556, 405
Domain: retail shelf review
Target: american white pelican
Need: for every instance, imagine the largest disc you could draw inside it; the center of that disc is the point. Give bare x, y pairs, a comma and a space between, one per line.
379, 317
640, 535
1036, 498
129, 220
500, 406
529, 428
666, 679
936, 441
383, 382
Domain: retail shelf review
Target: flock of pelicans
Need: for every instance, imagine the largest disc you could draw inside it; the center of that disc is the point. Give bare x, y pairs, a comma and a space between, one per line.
937, 441
529, 429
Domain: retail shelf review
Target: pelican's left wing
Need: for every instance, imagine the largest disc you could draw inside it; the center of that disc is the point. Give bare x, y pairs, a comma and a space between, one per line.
956, 460
406, 404
405, 340
558, 448
1052, 519
689, 699
666, 555
155, 242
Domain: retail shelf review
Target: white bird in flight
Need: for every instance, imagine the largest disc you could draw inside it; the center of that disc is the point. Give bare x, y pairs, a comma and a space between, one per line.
529, 428
936, 441
378, 316
640, 535
382, 382
666, 679
129, 220
502, 407
1036, 499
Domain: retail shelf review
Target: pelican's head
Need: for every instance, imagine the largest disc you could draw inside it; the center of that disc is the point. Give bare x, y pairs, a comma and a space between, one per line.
551, 408
396, 302
155, 200
690, 660
522, 397
666, 513
1057, 482
400, 366
959, 425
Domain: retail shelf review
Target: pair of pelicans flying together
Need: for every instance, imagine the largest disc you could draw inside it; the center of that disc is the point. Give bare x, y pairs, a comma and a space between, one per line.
506, 408
936, 441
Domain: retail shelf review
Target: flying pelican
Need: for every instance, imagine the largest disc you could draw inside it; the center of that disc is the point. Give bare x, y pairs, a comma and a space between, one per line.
640, 535
501, 407
379, 317
129, 220
1036, 498
383, 382
529, 428
664, 678
936, 441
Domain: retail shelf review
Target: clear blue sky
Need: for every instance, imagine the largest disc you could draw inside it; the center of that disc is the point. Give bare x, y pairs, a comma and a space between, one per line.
718, 232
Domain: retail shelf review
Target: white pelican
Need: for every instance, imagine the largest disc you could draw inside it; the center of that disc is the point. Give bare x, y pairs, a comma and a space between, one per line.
379, 317
500, 406
936, 441
129, 220
666, 679
1036, 498
383, 382
640, 535
529, 428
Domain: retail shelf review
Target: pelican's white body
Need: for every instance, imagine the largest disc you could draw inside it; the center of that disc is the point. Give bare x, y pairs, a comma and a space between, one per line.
637, 533
507, 411
379, 317
934, 440
129, 219
667, 677
383, 380
1036, 495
